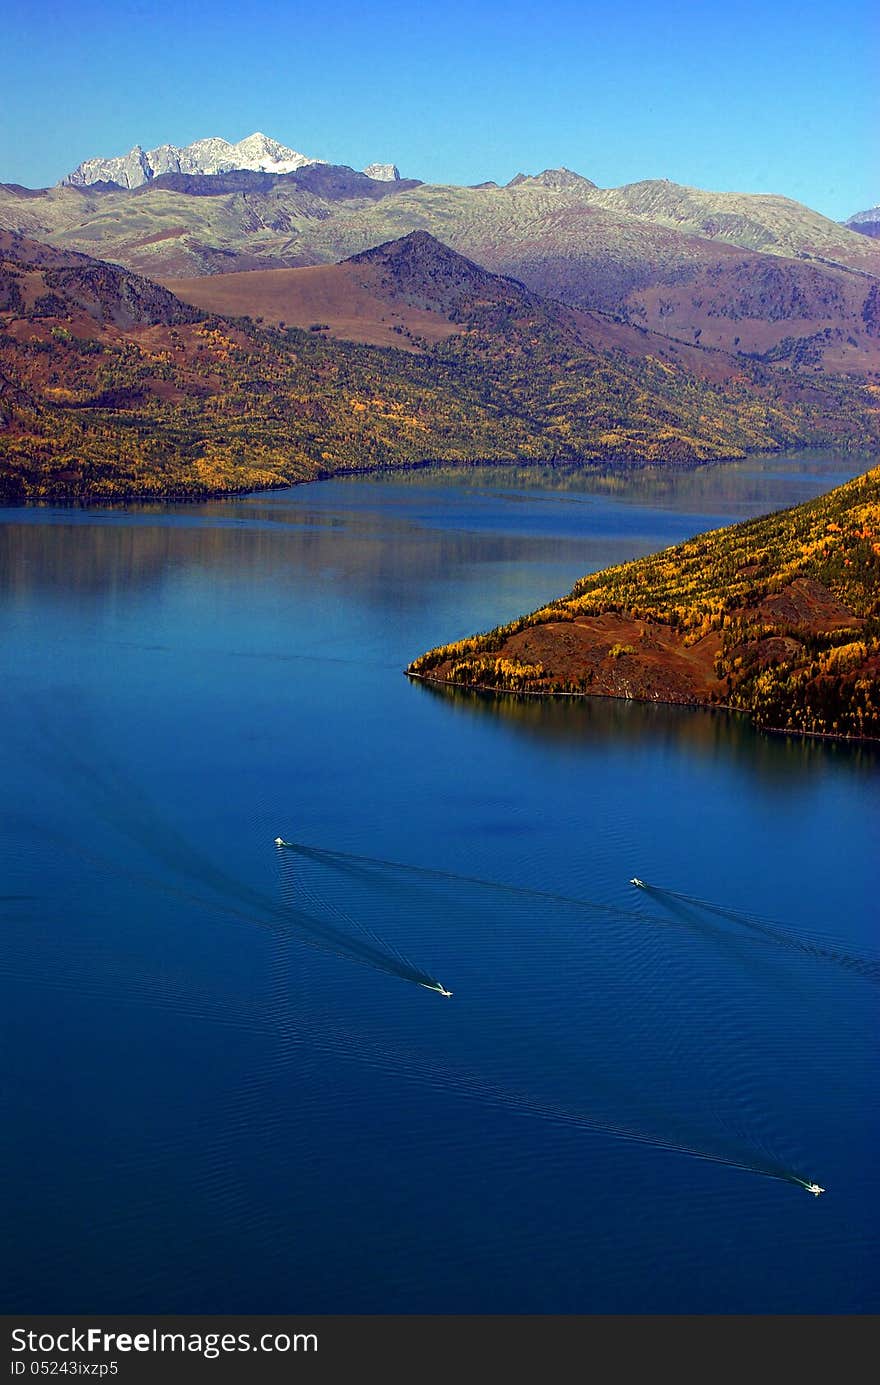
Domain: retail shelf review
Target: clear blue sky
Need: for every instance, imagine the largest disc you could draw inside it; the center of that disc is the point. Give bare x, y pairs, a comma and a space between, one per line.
725, 94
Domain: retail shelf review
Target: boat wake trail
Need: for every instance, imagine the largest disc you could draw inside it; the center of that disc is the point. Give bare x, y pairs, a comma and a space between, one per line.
114, 983
469, 1085
345, 860
129, 812
493, 914
816, 946
603, 1069
295, 886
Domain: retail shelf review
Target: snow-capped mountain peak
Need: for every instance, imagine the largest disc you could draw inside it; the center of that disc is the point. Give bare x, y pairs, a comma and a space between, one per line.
213, 155
383, 173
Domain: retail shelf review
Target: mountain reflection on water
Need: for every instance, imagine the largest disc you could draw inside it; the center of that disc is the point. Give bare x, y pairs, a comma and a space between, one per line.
701, 731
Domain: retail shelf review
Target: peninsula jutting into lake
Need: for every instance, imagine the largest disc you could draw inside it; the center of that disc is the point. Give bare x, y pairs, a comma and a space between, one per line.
778, 616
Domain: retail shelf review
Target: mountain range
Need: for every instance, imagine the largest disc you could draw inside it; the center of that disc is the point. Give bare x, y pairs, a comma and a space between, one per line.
257, 152
242, 315
752, 274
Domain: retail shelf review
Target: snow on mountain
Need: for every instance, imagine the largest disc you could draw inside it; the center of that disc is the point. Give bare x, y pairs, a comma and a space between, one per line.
383, 173
257, 152
872, 214
868, 222
132, 170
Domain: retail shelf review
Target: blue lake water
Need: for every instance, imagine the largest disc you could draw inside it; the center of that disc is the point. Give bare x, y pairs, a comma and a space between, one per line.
224, 1088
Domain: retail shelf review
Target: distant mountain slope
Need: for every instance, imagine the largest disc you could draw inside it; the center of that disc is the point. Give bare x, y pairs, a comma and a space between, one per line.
867, 222
654, 253
778, 616
783, 312
753, 221
556, 200
324, 181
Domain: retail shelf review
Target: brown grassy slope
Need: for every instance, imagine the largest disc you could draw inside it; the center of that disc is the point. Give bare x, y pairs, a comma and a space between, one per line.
338, 298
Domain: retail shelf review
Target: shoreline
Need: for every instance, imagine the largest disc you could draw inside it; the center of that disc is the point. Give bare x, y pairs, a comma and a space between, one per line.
599, 467
692, 704
594, 466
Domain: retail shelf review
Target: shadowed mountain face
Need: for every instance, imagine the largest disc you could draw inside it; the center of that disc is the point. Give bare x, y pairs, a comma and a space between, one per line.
327, 181
420, 270
40, 282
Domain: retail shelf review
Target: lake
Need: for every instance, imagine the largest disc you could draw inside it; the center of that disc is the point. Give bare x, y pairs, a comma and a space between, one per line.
229, 1086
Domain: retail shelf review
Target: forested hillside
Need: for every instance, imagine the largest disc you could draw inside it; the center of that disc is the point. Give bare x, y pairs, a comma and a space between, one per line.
110, 386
